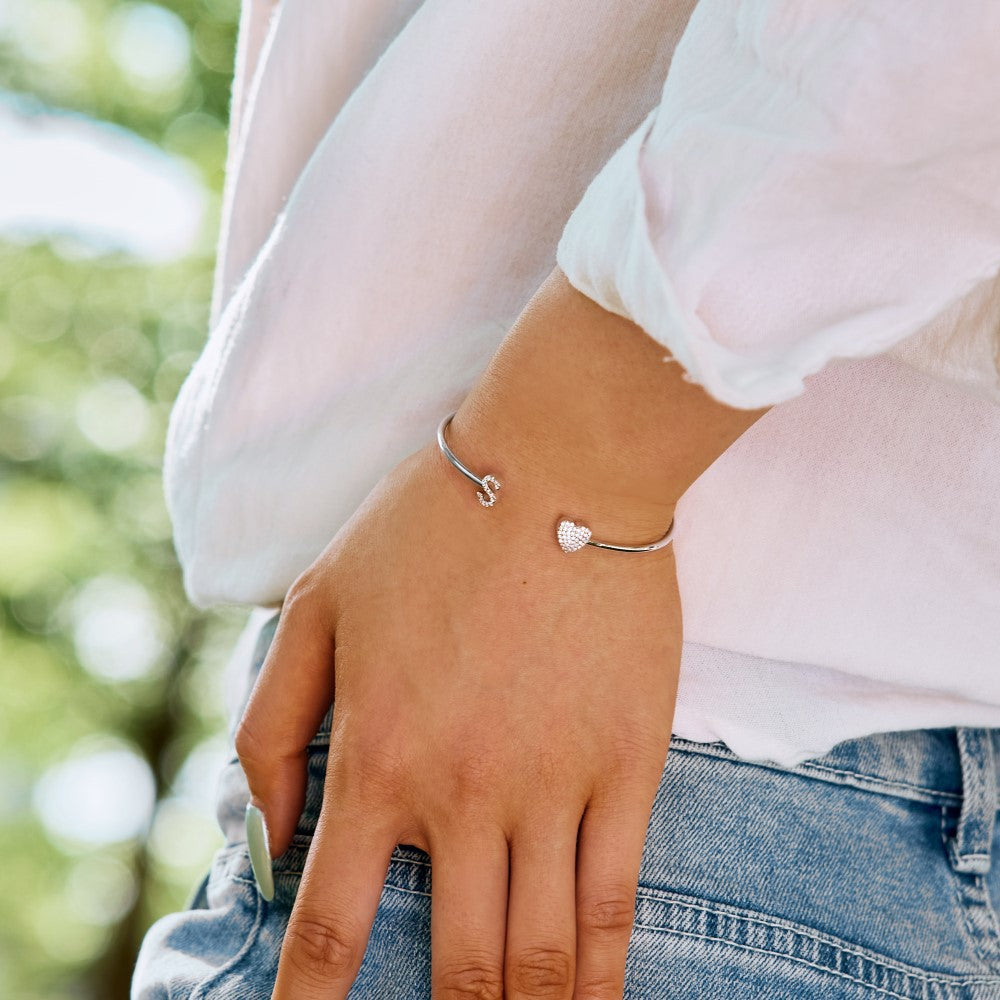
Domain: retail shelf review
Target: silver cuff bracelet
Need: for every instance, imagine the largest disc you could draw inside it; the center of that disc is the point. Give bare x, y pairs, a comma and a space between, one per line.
569, 534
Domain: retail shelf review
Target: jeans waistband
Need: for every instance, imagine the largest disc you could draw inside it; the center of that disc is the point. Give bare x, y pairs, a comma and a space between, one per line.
955, 768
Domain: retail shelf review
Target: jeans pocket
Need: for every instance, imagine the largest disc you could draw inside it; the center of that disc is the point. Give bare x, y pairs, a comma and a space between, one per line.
185, 954
686, 948
764, 881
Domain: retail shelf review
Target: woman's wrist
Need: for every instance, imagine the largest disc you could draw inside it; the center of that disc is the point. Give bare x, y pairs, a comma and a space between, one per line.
539, 482
582, 416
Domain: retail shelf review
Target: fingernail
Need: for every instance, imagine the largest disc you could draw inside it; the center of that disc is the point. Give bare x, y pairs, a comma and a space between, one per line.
260, 854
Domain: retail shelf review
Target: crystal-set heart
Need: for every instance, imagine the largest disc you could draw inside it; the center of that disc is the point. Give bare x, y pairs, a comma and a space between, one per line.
572, 536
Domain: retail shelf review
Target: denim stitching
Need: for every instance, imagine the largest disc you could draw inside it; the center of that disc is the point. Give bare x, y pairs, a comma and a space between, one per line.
992, 929
411, 861
800, 961
970, 929
412, 892
747, 916
806, 766
856, 778
977, 816
932, 793
658, 896
764, 921
801, 930
395, 858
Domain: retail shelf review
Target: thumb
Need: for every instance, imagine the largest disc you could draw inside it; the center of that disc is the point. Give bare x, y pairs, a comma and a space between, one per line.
292, 693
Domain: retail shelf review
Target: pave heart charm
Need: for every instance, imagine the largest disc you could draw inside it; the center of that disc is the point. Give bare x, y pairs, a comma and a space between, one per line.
572, 536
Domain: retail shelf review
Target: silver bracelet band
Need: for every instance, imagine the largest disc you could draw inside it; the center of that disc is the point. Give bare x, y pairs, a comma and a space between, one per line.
569, 534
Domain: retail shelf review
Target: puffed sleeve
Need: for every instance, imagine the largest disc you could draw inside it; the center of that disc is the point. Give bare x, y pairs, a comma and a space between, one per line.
819, 180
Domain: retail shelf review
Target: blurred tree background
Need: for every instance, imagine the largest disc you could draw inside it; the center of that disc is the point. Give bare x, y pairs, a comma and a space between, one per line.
112, 716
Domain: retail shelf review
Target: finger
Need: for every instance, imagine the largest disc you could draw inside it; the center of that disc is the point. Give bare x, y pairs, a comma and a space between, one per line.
290, 697
335, 907
540, 957
468, 913
612, 836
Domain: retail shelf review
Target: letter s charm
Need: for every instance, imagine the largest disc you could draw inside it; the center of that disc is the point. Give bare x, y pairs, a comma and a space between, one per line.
486, 485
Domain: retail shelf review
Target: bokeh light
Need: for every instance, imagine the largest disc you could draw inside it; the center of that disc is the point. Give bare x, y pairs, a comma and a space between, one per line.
118, 633
113, 414
113, 125
196, 780
101, 185
52, 32
102, 796
150, 44
99, 889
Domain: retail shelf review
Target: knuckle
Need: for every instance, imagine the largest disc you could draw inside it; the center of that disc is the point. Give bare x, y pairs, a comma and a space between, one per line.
610, 914
547, 767
369, 771
599, 989
304, 596
321, 950
542, 972
472, 979
633, 749
298, 596
474, 776
250, 746
384, 772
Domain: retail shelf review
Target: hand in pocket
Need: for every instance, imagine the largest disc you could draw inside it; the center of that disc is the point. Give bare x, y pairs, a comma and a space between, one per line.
500, 704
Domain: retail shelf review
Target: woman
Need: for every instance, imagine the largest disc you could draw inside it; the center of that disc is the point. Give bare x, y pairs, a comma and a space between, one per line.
507, 214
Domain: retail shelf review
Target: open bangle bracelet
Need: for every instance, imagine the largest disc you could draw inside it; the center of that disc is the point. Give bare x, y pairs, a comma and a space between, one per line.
569, 534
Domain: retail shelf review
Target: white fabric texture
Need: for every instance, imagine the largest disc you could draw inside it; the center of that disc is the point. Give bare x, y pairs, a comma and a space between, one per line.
843, 158
801, 203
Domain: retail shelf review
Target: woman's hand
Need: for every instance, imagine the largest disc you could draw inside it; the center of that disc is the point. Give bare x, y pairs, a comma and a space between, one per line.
498, 703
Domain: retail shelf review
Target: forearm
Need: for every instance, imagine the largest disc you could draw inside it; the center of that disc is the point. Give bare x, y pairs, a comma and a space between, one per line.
577, 408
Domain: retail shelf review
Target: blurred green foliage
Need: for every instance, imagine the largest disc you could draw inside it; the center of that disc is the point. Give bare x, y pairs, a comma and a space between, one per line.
102, 660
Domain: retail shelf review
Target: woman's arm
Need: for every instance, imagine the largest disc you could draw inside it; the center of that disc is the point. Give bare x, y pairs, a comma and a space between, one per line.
499, 703
580, 411
507, 706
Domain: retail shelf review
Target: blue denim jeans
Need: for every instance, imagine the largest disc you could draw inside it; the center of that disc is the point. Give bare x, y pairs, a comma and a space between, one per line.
869, 872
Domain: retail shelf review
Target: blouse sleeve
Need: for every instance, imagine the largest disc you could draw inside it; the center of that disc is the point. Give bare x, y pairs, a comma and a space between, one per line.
819, 180
255, 16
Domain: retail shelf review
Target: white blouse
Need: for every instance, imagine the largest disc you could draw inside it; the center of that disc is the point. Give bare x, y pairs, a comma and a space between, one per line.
800, 200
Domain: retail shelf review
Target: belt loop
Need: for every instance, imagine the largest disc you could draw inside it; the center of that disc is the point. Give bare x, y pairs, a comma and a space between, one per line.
970, 847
